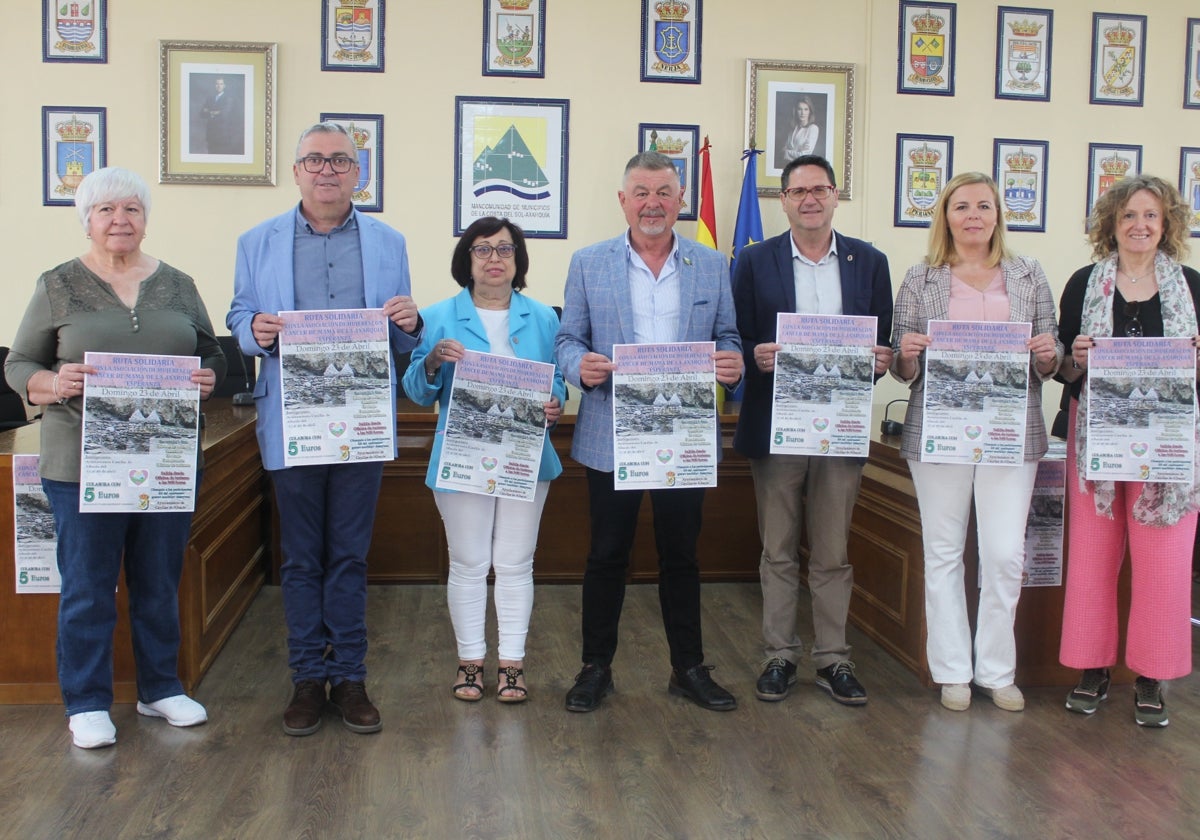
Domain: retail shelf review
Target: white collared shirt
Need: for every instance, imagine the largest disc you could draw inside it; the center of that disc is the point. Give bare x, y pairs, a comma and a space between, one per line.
818, 284
655, 299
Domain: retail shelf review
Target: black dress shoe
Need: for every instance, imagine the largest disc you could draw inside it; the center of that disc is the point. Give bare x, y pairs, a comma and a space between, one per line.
838, 679
592, 684
696, 685
777, 677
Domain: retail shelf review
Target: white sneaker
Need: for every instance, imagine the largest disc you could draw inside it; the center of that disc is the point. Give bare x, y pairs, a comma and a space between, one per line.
179, 710
956, 696
90, 730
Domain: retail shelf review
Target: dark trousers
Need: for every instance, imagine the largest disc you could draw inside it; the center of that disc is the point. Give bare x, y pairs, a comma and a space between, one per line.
614, 513
326, 514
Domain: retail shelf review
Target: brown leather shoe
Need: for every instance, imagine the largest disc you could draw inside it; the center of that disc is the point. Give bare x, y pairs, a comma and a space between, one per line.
303, 714
358, 713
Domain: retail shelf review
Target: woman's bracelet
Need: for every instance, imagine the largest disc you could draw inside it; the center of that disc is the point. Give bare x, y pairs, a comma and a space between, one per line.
61, 400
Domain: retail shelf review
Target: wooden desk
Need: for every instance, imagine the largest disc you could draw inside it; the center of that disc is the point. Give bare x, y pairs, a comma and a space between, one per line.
223, 570
409, 542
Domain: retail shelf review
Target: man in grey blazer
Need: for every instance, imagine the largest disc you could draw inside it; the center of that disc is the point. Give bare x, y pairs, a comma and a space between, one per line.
813, 270
648, 285
322, 254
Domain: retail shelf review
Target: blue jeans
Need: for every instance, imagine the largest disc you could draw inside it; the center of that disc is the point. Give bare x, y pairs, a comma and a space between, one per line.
90, 550
326, 514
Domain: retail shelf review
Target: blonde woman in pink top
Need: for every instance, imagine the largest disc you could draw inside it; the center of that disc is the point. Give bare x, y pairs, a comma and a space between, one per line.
970, 275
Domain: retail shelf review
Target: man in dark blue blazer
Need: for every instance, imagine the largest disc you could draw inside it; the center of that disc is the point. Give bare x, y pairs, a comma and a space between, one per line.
808, 269
648, 285
323, 254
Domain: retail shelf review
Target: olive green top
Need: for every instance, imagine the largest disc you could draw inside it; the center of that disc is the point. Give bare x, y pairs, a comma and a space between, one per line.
73, 312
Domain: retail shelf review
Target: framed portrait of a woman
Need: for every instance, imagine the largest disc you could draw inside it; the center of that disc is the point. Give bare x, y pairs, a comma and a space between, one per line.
796, 109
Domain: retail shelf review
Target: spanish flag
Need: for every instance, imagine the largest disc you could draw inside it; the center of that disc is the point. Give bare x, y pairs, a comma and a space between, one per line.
706, 227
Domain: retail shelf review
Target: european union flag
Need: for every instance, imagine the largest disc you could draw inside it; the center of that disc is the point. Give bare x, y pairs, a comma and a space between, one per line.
748, 228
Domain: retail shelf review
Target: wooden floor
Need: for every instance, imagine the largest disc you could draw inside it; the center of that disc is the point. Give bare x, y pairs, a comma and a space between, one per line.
645, 765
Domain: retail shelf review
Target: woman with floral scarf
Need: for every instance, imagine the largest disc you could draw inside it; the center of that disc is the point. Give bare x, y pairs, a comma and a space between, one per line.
1138, 230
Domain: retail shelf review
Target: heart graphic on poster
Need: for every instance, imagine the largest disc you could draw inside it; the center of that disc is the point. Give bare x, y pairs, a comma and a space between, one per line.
488, 463
138, 476
337, 428
820, 423
1139, 449
665, 455
973, 432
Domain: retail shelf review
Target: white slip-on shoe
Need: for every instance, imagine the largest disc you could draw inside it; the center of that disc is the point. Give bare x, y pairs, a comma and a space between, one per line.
956, 696
179, 710
1009, 697
90, 730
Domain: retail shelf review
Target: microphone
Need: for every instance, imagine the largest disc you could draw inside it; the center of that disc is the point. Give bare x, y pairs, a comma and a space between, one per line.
244, 397
891, 428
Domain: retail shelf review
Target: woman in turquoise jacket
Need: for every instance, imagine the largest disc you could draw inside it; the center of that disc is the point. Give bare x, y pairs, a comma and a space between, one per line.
484, 532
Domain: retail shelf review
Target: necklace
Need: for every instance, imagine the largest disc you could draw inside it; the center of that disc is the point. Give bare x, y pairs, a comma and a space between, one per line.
1133, 279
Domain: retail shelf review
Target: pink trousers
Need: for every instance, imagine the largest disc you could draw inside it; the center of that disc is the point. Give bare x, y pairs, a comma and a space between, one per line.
1158, 641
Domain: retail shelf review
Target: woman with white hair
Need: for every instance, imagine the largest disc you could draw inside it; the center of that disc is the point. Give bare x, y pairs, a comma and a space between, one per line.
115, 299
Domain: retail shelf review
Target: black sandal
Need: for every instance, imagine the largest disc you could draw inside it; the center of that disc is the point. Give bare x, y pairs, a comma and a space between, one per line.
508, 683
469, 689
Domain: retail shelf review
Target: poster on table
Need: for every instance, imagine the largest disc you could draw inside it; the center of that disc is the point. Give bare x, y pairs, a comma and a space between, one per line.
1141, 410
976, 392
1044, 525
141, 430
35, 543
495, 426
824, 374
664, 415
336, 387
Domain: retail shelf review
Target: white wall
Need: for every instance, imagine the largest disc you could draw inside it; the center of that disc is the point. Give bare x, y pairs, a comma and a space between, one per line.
433, 54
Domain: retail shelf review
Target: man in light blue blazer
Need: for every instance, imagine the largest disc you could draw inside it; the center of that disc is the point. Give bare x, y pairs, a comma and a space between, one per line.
648, 285
322, 254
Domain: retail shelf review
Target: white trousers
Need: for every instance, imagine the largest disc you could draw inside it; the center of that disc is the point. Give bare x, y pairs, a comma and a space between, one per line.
1002, 495
484, 533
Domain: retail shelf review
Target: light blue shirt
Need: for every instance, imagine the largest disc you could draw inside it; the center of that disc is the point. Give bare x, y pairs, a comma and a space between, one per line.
818, 284
655, 299
328, 267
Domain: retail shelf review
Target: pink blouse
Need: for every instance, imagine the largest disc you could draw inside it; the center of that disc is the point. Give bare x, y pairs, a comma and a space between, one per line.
969, 304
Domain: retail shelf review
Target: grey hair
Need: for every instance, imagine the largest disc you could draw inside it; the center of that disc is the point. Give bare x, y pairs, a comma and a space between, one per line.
652, 161
112, 183
323, 128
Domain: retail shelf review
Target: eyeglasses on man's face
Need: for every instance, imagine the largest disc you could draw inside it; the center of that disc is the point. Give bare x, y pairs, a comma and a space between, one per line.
819, 193
314, 164
484, 252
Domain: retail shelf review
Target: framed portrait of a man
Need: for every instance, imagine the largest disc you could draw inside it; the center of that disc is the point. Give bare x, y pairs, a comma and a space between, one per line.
217, 104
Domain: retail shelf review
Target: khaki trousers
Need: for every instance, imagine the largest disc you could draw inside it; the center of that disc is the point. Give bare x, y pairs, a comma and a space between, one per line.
830, 486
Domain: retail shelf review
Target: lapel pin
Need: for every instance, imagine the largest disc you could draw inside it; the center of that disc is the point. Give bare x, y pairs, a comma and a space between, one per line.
687, 261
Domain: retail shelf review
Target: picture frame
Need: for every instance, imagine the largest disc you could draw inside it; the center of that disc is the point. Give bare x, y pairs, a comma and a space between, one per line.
511, 157
202, 141
352, 35
75, 31
367, 131
924, 163
926, 49
671, 40
1189, 184
74, 144
1191, 74
514, 38
1107, 164
1019, 168
775, 92
1024, 41
681, 143
1118, 59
